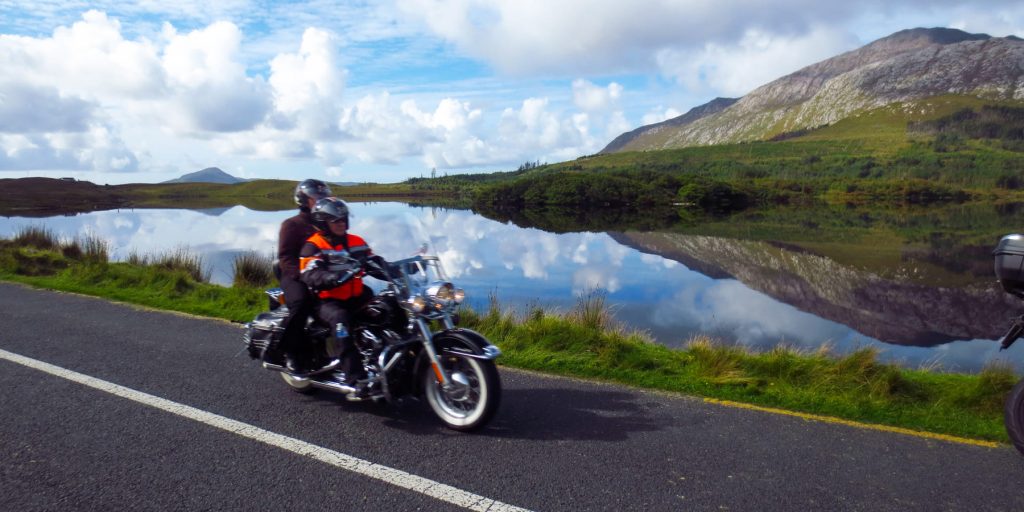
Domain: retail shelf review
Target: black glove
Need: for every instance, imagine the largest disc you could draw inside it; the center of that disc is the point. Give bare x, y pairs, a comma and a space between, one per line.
379, 268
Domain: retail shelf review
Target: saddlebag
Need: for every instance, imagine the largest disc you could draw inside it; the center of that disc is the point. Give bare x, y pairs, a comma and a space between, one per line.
1009, 264
264, 331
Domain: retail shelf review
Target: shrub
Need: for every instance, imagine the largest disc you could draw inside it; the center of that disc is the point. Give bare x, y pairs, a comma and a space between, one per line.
253, 269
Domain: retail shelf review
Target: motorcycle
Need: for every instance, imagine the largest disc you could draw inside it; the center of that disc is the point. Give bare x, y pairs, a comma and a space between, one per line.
402, 355
1009, 268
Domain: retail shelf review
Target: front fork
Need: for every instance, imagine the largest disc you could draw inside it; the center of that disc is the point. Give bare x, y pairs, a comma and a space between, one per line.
1015, 332
428, 344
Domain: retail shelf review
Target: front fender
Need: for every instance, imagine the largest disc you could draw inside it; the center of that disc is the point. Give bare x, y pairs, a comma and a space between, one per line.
458, 341
466, 343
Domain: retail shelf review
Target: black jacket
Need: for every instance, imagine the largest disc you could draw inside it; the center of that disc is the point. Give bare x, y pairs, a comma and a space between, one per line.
294, 233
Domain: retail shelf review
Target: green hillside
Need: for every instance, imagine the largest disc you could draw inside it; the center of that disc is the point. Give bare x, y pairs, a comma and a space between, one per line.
894, 154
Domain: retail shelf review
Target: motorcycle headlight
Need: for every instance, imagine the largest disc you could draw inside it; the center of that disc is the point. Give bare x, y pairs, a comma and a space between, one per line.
442, 293
459, 295
417, 304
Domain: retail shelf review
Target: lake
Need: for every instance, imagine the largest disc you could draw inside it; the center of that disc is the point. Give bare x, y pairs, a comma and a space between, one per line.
916, 284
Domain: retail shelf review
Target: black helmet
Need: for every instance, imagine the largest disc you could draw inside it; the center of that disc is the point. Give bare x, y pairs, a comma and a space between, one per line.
315, 189
329, 209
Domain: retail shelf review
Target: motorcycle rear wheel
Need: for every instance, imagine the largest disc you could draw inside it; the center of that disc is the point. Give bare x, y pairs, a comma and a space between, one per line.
474, 396
1013, 414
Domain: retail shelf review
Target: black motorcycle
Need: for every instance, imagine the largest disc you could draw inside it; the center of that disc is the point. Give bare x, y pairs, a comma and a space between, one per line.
1009, 265
401, 353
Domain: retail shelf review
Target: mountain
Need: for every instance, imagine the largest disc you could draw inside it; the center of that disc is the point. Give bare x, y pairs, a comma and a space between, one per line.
907, 66
712, 107
208, 175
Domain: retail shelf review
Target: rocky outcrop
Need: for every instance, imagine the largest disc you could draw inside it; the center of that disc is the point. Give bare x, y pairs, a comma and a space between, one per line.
652, 130
907, 66
893, 311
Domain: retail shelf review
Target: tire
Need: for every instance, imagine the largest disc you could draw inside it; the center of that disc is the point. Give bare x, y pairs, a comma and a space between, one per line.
472, 404
1014, 416
298, 385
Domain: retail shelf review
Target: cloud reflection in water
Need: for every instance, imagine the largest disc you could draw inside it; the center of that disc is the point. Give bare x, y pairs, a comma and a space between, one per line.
521, 266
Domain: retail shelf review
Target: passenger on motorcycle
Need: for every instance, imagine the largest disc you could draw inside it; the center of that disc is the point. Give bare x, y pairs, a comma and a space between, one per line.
293, 235
335, 301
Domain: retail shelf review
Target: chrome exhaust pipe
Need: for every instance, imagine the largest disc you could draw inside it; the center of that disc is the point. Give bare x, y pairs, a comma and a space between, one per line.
335, 386
278, 368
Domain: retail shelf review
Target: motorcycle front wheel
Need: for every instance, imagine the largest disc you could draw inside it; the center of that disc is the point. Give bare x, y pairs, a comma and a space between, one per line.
1014, 416
472, 396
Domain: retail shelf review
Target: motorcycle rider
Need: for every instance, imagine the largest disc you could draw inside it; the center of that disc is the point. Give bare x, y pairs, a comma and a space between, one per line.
294, 233
336, 300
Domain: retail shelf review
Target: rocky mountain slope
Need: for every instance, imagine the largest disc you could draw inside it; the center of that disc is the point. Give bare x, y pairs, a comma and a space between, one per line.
906, 66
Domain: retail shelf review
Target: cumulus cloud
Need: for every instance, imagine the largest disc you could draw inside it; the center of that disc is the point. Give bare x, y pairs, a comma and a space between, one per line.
590, 97
211, 87
997, 21
757, 58
307, 86
705, 45
119, 91
95, 149
534, 36
28, 109
86, 83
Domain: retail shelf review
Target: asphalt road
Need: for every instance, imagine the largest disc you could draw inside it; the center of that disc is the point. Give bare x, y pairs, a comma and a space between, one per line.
556, 444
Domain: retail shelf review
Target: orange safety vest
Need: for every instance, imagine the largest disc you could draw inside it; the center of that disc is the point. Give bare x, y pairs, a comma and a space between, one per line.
351, 288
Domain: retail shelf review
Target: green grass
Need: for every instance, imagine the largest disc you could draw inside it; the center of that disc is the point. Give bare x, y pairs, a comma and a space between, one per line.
585, 342
854, 386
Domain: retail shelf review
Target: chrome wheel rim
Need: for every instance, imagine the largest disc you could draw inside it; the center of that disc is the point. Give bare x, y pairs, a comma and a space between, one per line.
463, 402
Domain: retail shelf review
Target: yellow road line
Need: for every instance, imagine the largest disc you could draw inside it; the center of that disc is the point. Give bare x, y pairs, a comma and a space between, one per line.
868, 426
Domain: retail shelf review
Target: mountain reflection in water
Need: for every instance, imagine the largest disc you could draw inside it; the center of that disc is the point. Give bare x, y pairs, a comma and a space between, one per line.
673, 285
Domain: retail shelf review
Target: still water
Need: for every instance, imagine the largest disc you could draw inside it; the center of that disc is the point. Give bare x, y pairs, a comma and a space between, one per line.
674, 284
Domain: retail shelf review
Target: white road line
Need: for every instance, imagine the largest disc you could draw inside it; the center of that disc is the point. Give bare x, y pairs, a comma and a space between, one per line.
392, 476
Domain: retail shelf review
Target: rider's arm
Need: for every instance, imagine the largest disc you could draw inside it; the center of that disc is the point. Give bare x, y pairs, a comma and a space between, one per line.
381, 270
314, 272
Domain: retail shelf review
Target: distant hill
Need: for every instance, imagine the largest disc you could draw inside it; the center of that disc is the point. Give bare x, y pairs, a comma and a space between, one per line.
908, 66
208, 175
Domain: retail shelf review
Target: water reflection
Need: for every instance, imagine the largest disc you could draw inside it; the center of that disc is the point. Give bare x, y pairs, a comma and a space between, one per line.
659, 291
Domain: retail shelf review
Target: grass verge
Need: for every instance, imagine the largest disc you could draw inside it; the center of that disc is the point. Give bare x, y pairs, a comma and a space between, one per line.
585, 342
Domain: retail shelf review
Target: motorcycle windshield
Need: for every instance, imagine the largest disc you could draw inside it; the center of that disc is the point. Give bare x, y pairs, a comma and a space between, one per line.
416, 275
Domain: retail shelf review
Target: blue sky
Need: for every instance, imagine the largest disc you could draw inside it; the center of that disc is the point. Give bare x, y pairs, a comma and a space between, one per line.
117, 92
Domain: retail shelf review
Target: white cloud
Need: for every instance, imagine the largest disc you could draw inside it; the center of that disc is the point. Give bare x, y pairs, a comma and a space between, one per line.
660, 114
759, 57
246, 86
28, 109
590, 97
997, 21
211, 87
307, 86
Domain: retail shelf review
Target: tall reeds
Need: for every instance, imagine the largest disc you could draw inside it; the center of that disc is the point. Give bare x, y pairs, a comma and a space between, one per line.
38, 237
253, 269
87, 247
182, 258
